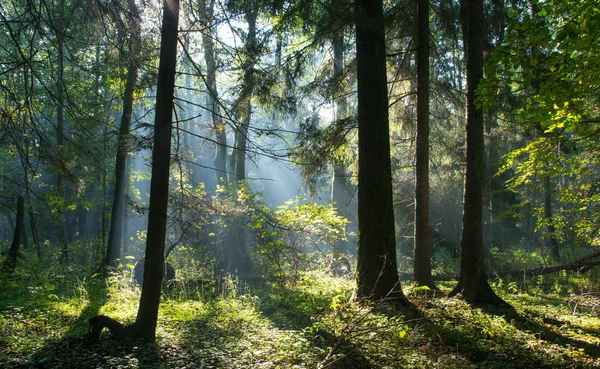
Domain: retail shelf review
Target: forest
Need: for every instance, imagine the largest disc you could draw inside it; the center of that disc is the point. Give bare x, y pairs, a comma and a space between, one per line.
299, 184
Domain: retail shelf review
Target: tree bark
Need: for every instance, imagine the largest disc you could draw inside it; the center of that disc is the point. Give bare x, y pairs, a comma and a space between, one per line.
218, 126
159, 186
115, 234
339, 186
13, 253
551, 242
25, 164
60, 134
126, 211
239, 259
473, 283
377, 274
243, 105
422, 247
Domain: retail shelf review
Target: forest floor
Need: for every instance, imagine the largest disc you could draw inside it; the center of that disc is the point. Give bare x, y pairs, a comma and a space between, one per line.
311, 323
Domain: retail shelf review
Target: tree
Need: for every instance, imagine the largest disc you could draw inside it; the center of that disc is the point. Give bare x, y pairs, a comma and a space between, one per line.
340, 184
555, 99
473, 283
243, 105
422, 256
236, 250
59, 28
159, 187
376, 270
13, 252
116, 221
218, 126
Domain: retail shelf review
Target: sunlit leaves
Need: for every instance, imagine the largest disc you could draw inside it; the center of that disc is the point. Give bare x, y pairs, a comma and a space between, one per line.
549, 59
314, 219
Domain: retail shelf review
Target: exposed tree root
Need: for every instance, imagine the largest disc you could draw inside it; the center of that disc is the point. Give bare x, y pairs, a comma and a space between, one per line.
118, 330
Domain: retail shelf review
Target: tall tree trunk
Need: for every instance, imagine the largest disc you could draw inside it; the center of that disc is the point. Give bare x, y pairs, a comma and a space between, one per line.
551, 242
104, 209
116, 221
422, 257
25, 163
126, 211
188, 116
473, 283
376, 270
60, 134
13, 253
339, 185
243, 105
159, 186
218, 126
33, 222
239, 260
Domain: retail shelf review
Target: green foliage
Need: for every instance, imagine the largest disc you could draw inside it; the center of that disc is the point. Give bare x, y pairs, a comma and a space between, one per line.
547, 65
517, 258
285, 239
311, 323
444, 264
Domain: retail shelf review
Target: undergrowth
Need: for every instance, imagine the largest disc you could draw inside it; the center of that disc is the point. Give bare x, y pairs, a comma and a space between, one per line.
312, 322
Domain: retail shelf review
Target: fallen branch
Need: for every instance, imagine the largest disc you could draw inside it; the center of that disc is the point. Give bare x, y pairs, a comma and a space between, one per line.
578, 266
582, 265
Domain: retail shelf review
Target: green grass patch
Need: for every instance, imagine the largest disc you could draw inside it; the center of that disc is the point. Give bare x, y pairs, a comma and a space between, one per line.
311, 322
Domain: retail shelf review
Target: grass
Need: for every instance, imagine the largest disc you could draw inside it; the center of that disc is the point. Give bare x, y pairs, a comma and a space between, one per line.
312, 323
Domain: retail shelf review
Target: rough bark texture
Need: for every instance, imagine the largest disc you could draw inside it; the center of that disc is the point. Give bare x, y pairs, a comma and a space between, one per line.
115, 234
159, 185
13, 252
422, 257
473, 283
377, 275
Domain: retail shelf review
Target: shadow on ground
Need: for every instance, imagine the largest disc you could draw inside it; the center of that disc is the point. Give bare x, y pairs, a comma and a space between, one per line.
71, 351
508, 352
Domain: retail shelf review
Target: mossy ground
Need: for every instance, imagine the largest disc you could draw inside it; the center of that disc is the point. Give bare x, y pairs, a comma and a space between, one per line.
311, 323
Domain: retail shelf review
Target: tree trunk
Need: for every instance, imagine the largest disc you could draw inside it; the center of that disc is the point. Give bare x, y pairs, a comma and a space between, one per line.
550, 239
243, 113
104, 209
243, 105
60, 135
13, 253
377, 272
473, 283
218, 126
33, 223
159, 186
116, 220
25, 163
422, 257
126, 212
339, 185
